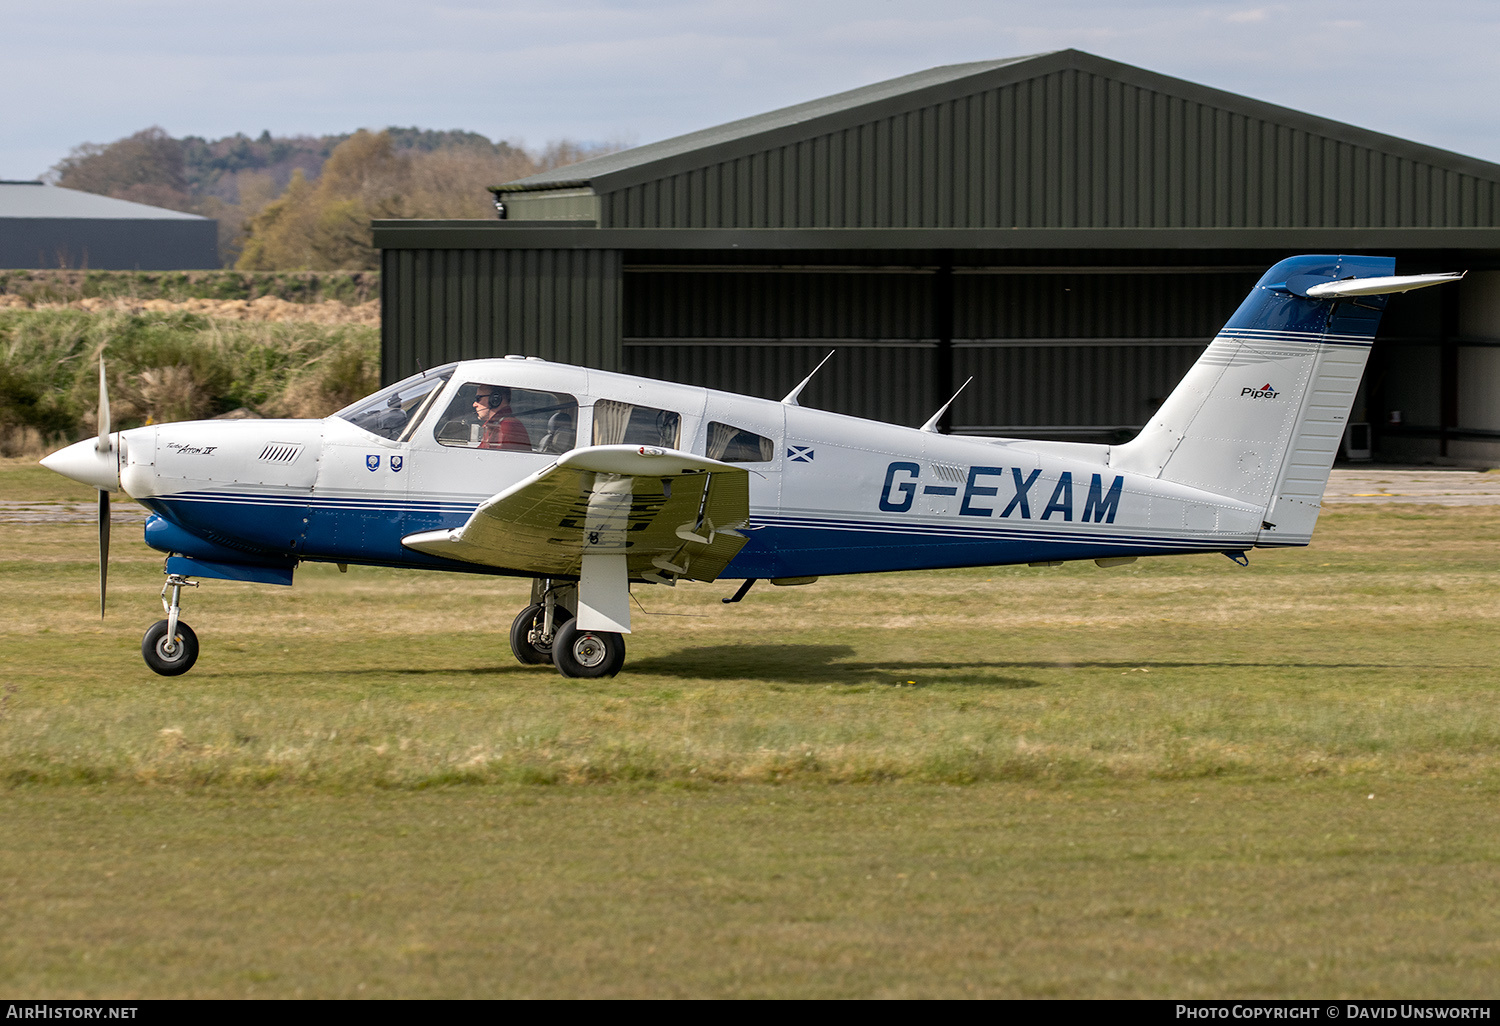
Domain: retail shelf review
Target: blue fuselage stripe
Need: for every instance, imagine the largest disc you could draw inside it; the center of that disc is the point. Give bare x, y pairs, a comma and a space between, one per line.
369, 531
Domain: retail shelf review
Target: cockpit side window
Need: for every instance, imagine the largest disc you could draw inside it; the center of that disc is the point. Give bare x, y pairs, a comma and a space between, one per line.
617, 423
736, 445
487, 415
395, 411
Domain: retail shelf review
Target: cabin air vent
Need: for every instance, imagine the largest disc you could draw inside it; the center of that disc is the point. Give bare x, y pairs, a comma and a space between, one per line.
280, 452
948, 472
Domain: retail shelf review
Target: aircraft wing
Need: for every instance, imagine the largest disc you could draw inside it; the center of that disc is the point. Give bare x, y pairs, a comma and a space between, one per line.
669, 513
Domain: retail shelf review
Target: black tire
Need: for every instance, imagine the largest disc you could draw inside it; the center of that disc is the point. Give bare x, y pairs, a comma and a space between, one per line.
527, 651
589, 654
170, 664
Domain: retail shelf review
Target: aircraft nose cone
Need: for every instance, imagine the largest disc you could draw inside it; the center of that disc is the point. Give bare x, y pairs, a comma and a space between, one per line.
82, 461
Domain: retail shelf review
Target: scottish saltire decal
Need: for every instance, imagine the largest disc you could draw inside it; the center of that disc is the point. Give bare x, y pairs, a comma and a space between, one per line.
372, 462
800, 453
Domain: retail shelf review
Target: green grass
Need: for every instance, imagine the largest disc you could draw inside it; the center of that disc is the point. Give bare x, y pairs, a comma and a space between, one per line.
61, 286
1155, 889
1150, 780
1370, 653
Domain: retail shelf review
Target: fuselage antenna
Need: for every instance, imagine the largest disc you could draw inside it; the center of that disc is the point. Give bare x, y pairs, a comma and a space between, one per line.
932, 422
791, 397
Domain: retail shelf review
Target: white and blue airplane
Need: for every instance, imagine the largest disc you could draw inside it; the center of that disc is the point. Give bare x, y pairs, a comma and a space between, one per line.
587, 481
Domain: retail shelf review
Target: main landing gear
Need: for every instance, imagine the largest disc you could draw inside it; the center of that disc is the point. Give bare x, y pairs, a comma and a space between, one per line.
170, 647
547, 631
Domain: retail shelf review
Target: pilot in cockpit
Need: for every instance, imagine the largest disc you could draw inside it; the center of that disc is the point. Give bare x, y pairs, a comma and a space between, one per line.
500, 428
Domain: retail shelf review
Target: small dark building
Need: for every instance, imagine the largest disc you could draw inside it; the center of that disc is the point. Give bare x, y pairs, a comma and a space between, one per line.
1068, 230
46, 226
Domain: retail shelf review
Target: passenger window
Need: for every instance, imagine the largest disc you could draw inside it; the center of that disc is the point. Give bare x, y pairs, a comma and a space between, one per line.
627, 424
736, 445
488, 416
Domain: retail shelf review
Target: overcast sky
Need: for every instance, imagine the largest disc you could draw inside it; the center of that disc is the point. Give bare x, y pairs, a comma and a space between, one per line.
74, 71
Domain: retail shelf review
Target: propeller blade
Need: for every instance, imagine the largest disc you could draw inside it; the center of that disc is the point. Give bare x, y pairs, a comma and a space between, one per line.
103, 548
103, 444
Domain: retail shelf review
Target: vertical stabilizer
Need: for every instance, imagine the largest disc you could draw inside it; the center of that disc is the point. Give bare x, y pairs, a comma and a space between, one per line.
1259, 417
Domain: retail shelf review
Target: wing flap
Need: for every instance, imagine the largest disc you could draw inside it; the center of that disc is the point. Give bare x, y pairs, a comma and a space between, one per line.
670, 513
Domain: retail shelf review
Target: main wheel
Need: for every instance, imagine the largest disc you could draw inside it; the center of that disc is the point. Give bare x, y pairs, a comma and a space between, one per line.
180, 659
525, 633
581, 653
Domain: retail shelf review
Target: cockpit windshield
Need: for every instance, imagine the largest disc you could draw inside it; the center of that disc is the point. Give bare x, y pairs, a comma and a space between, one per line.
396, 410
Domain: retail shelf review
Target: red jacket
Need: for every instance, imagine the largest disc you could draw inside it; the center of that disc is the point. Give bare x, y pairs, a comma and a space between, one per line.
504, 431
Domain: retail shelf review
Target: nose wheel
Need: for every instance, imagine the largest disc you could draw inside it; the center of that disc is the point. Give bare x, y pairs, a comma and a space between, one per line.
170, 647
531, 636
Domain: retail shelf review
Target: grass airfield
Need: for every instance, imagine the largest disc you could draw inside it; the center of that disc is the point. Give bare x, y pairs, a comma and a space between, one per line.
1153, 780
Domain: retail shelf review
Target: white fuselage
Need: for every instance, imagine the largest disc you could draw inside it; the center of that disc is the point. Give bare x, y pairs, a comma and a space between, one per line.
838, 495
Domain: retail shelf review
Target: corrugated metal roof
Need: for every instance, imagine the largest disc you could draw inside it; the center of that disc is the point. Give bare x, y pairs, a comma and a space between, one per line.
1068, 114
29, 199
587, 171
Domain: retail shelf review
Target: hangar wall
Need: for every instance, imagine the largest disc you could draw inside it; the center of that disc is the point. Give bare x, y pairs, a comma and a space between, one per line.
114, 244
1057, 351
47, 226
439, 305
1478, 366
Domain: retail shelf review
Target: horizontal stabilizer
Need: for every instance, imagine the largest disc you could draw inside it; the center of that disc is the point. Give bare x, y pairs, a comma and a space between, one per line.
1379, 286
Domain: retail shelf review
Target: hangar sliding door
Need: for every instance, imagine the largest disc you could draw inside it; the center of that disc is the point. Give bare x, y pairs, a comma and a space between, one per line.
761, 329
1055, 352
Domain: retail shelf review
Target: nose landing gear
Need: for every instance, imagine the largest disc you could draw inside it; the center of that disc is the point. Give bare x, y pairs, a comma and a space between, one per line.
170, 647
532, 636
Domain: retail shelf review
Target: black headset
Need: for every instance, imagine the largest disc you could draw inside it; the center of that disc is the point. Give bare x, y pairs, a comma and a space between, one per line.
492, 401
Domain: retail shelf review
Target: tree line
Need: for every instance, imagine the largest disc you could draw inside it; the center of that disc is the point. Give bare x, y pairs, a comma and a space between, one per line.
306, 202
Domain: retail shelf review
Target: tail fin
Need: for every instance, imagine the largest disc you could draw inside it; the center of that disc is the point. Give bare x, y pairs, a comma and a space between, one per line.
1259, 417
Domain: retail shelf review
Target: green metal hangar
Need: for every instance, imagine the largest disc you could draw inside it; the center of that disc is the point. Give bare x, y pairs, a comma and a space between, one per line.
1068, 230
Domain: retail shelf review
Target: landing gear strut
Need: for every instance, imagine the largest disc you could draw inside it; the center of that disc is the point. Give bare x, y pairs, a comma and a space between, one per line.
535, 629
170, 647
547, 632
